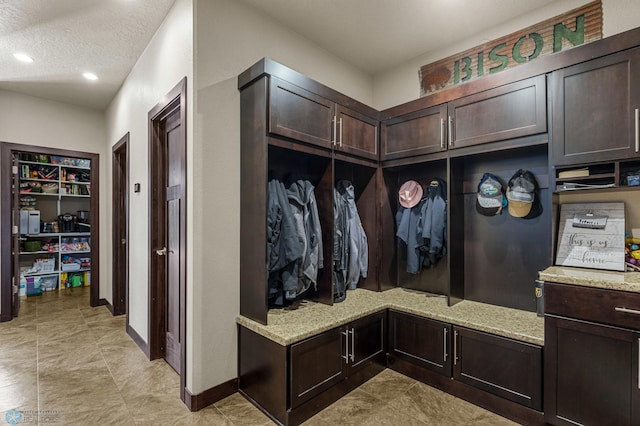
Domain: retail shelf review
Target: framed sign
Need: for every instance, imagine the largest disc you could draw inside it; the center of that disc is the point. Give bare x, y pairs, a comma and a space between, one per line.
591, 235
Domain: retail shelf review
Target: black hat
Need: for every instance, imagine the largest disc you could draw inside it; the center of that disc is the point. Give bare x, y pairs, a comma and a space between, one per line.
490, 200
521, 193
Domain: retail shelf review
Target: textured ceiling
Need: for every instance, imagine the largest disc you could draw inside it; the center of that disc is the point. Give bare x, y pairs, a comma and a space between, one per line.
68, 37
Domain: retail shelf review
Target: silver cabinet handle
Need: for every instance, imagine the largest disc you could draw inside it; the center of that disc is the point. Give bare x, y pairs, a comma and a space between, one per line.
450, 133
445, 345
340, 132
346, 345
637, 130
353, 345
455, 347
441, 132
627, 310
334, 122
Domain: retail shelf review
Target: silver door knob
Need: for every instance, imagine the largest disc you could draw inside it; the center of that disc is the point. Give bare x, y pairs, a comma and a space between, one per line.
123, 241
162, 251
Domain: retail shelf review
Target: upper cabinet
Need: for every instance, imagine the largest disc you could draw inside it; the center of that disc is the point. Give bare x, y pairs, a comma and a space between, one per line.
595, 110
417, 133
299, 114
507, 112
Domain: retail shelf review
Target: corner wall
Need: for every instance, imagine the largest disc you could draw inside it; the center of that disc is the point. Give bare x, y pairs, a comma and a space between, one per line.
35, 121
230, 37
166, 60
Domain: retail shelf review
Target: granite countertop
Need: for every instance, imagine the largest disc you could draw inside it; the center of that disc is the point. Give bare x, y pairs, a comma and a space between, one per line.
287, 326
612, 280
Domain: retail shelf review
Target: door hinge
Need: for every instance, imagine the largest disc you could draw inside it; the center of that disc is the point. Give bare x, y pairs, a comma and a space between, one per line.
14, 170
15, 229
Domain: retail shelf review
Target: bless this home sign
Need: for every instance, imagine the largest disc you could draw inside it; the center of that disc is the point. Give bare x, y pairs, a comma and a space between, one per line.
576, 27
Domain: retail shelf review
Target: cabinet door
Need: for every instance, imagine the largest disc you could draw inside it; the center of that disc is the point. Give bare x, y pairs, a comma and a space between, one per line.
299, 114
591, 373
316, 364
421, 341
418, 133
356, 134
367, 341
501, 366
506, 112
594, 109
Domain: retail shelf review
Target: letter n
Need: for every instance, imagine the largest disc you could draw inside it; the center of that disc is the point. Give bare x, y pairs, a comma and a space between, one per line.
560, 31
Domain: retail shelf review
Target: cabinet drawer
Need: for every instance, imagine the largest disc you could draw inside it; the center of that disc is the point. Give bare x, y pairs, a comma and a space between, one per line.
614, 307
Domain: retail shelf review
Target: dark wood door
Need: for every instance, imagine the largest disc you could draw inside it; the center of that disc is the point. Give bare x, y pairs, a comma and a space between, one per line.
367, 341
421, 132
504, 367
595, 106
591, 373
298, 114
506, 112
316, 364
174, 207
357, 134
421, 341
120, 224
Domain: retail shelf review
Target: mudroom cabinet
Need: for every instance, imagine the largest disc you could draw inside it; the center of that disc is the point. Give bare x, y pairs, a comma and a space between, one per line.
592, 349
511, 111
504, 367
293, 128
294, 382
299, 114
595, 108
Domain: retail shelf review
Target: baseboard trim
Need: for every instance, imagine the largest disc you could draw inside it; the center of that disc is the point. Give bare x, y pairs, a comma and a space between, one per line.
6, 317
144, 347
211, 395
105, 302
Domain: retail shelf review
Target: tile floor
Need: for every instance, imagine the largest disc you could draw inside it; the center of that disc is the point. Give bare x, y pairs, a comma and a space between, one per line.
63, 362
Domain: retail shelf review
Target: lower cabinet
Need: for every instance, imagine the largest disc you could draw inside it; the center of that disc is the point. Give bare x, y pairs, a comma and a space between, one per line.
592, 350
295, 382
507, 368
504, 367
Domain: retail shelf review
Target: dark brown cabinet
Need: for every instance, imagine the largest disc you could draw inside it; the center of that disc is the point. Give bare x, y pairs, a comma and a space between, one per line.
507, 112
421, 341
591, 356
417, 133
301, 115
504, 367
511, 111
294, 382
500, 366
595, 110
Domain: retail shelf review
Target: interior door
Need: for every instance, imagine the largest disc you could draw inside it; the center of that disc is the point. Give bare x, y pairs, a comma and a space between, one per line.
120, 217
15, 233
174, 205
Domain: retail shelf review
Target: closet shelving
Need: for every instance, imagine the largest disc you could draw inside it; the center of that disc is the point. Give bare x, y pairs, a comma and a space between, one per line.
54, 257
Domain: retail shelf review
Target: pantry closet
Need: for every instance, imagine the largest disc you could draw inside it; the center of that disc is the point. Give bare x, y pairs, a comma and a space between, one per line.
52, 237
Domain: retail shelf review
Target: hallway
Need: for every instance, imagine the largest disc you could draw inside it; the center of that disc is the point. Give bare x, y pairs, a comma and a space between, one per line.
65, 363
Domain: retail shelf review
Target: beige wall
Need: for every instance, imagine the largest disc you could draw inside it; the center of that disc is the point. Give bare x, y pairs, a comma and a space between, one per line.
401, 83
39, 122
230, 37
166, 60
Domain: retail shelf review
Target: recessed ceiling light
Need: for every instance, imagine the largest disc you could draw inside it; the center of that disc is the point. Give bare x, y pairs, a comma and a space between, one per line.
23, 57
89, 76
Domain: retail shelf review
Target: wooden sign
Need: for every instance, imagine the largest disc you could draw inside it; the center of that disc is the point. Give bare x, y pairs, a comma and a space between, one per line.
591, 235
576, 27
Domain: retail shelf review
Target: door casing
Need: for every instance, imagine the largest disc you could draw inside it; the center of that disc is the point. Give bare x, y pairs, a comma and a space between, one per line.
175, 99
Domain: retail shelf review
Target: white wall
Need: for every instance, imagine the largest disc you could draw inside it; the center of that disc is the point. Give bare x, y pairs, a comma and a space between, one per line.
39, 122
401, 84
230, 37
165, 62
